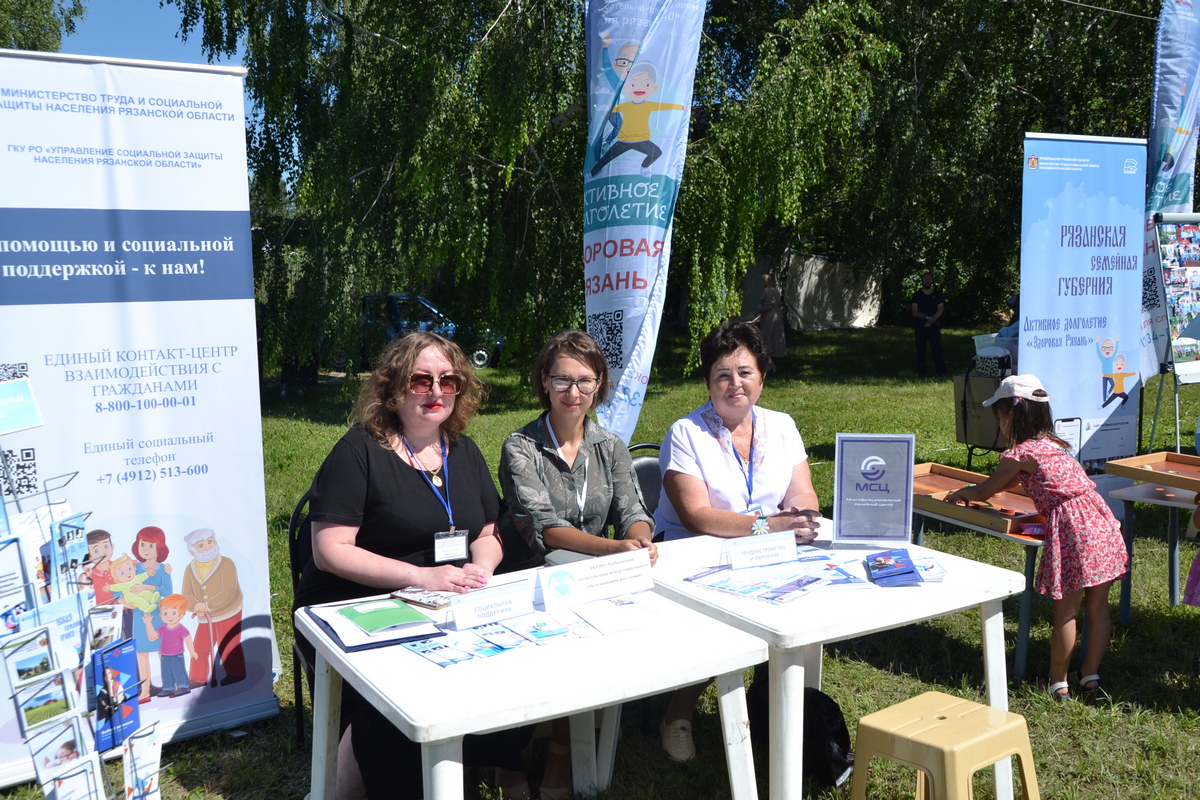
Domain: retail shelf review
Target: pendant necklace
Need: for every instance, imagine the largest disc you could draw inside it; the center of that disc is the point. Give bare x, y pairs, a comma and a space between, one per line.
434, 478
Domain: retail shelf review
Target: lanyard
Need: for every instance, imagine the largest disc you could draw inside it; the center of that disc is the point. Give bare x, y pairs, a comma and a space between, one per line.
581, 494
445, 501
747, 468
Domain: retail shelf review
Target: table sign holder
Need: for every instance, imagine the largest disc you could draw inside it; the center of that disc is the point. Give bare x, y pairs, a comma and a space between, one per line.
599, 578
495, 604
872, 488
759, 551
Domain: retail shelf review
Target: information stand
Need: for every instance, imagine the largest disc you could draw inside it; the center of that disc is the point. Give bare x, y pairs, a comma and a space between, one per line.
1179, 255
127, 297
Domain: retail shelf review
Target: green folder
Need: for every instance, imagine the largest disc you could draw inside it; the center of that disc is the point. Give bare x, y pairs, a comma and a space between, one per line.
384, 616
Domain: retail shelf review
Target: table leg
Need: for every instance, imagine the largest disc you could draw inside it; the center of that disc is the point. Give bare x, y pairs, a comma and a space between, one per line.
813, 653
1022, 652
1173, 556
787, 723
327, 718
1127, 581
442, 769
919, 537
735, 723
996, 682
583, 753
610, 725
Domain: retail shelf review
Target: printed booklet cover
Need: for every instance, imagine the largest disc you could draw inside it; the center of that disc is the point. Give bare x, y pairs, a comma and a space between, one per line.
892, 568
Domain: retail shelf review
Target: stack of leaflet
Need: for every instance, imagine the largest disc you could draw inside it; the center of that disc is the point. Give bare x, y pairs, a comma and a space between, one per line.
893, 568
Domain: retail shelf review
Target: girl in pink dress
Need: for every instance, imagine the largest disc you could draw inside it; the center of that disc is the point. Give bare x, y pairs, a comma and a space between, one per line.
1083, 550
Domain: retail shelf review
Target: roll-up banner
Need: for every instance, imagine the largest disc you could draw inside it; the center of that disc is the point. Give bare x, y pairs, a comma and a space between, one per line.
1172, 163
1081, 286
641, 61
133, 477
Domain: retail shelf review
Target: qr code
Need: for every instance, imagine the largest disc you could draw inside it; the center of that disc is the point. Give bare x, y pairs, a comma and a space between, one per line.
21, 467
608, 329
10, 372
1151, 293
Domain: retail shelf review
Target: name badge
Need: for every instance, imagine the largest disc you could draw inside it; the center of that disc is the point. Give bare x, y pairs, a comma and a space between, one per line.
492, 605
754, 511
757, 551
450, 546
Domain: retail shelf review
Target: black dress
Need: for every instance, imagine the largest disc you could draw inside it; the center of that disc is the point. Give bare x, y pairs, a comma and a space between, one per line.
364, 485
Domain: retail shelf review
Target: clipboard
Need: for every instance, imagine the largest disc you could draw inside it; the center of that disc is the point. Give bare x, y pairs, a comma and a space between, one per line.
328, 630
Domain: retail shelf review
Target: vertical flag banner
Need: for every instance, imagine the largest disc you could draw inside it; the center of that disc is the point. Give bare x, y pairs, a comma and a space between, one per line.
641, 62
127, 312
1172, 159
1081, 271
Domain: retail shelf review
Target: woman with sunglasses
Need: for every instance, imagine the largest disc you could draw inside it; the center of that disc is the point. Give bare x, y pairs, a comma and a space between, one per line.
401, 477
565, 481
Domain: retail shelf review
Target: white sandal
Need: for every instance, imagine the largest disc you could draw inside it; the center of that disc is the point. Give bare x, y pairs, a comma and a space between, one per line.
1055, 688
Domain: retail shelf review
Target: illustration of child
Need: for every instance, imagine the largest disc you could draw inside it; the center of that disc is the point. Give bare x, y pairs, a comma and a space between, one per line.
99, 552
126, 583
1106, 350
1118, 380
635, 134
67, 751
174, 638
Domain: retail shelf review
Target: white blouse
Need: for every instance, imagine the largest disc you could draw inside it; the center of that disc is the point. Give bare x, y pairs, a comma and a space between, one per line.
701, 445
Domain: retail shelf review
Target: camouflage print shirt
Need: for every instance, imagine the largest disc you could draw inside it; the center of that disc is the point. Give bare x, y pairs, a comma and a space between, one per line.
541, 491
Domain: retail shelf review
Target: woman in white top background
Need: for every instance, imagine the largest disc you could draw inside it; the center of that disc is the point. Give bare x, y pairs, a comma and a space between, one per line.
731, 469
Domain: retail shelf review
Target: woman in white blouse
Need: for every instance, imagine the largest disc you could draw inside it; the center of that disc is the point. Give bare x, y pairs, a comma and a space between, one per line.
731, 469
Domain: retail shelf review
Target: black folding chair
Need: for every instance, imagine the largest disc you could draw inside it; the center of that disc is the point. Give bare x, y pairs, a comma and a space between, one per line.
649, 478
299, 554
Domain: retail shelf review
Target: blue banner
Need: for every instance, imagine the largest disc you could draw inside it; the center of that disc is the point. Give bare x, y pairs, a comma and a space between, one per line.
77, 255
1081, 283
1172, 164
641, 61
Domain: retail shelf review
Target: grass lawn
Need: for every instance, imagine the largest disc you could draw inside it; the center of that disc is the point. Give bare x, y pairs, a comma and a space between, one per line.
1144, 744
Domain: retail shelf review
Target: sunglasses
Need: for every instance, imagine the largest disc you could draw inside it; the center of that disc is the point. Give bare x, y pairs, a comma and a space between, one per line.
422, 383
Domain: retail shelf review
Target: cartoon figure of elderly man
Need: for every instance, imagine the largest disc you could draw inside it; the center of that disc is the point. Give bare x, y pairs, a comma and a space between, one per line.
640, 86
1106, 350
214, 597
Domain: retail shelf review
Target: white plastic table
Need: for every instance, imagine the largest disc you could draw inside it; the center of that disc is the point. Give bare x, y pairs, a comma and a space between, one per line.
1031, 545
437, 706
797, 631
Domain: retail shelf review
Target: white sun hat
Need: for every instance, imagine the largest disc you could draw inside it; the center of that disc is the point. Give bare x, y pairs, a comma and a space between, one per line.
1025, 387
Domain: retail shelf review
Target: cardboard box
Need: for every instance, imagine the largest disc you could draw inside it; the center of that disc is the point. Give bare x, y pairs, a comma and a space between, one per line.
973, 424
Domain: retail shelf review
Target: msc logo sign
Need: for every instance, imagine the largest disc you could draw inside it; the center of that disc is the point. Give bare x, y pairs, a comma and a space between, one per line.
873, 468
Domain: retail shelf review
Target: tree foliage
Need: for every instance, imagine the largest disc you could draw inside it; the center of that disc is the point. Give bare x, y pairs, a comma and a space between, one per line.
438, 147
38, 24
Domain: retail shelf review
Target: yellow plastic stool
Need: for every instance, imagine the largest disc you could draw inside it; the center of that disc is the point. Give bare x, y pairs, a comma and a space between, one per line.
947, 739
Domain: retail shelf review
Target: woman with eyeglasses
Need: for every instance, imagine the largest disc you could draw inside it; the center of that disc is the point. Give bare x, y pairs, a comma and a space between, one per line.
403, 478
565, 481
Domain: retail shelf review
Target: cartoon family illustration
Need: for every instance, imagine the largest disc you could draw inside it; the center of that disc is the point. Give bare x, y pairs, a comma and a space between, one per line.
1112, 370
628, 122
142, 582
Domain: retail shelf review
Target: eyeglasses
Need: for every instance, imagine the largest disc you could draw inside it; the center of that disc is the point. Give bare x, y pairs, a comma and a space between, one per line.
622, 62
422, 383
561, 383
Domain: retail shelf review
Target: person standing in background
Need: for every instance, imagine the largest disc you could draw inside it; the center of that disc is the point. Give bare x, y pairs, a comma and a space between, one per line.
928, 305
770, 319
